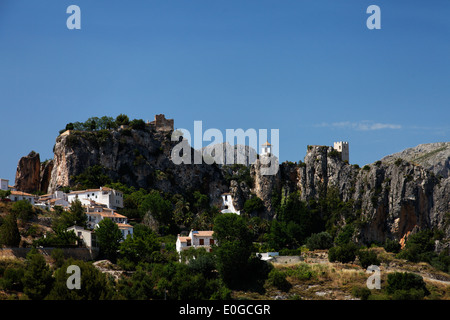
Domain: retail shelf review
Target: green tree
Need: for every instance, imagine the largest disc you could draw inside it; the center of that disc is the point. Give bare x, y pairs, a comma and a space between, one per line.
234, 248
23, 210
94, 284
37, 279
143, 246
77, 213
9, 231
108, 238
122, 119
345, 253
367, 257
406, 286
93, 177
137, 124
4, 194
322, 240
253, 205
140, 286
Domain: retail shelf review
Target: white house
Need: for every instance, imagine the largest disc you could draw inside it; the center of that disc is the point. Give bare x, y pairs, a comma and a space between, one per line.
111, 198
48, 201
87, 236
19, 195
96, 214
196, 239
227, 205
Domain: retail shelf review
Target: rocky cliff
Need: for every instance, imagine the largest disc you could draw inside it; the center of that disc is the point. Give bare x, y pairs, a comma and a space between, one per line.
389, 200
139, 158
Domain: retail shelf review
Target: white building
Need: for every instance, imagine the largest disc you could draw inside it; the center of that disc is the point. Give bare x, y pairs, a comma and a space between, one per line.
196, 239
111, 198
342, 147
266, 149
95, 214
4, 184
48, 201
227, 205
19, 195
87, 236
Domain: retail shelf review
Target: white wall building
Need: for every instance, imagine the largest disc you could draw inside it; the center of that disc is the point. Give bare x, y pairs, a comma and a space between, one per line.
342, 146
87, 236
48, 201
227, 205
4, 184
19, 195
111, 198
96, 214
196, 239
266, 149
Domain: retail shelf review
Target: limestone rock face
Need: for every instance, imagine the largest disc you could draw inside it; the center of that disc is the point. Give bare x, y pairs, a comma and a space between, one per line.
432, 156
389, 199
28, 173
139, 158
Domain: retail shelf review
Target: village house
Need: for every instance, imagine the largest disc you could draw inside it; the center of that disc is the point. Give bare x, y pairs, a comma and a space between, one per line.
58, 198
97, 213
19, 195
195, 239
87, 237
111, 198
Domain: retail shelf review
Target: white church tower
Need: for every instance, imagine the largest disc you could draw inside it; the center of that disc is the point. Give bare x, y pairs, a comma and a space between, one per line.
342, 147
266, 149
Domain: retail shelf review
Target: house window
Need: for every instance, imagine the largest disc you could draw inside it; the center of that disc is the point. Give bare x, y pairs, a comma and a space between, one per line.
202, 242
188, 243
211, 241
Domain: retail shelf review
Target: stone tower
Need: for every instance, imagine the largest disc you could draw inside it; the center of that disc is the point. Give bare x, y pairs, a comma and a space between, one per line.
342, 147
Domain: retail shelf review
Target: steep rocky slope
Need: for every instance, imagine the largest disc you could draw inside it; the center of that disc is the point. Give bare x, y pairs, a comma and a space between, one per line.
140, 158
432, 156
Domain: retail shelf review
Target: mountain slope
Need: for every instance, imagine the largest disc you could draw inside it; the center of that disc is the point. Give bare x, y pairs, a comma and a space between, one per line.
432, 156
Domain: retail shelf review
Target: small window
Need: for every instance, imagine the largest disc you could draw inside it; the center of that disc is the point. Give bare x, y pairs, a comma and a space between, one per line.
202, 242
211, 241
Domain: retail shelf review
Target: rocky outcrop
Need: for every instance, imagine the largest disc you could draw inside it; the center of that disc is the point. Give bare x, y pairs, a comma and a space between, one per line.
28, 173
139, 158
389, 200
432, 156
45, 175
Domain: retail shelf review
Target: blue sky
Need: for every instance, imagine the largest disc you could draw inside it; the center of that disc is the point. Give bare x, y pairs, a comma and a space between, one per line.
311, 69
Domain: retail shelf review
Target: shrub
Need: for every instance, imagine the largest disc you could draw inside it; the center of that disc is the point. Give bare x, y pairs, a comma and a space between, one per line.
406, 286
322, 240
122, 119
366, 167
278, 279
398, 161
345, 253
23, 210
253, 204
137, 124
392, 246
367, 258
362, 293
